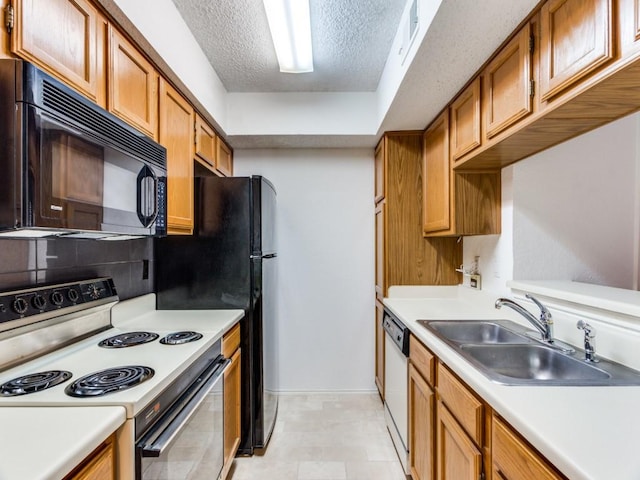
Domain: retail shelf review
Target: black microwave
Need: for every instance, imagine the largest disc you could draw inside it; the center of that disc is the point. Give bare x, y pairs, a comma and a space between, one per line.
70, 168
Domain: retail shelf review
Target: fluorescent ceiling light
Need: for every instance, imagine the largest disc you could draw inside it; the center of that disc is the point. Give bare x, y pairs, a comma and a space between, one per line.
290, 25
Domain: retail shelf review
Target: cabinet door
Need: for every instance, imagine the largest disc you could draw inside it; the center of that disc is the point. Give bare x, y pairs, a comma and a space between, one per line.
224, 159
465, 121
458, 458
512, 459
576, 39
379, 361
205, 144
436, 195
379, 172
61, 37
133, 85
232, 387
629, 15
507, 85
176, 135
421, 427
381, 253
98, 466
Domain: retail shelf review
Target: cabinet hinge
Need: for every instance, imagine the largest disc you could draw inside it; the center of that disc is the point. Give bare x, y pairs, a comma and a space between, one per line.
481, 476
532, 43
8, 17
532, 88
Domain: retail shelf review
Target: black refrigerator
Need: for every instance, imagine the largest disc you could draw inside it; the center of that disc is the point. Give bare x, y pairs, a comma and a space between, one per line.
230, 263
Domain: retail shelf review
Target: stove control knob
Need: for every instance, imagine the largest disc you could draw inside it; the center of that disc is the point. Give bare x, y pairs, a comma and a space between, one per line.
39, 302
73, 295
57, 299
20, 305
94, 291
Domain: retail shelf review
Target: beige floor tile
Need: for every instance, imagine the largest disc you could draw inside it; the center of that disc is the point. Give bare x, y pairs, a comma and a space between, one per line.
322, 471
260, 469
325, 437
374, 471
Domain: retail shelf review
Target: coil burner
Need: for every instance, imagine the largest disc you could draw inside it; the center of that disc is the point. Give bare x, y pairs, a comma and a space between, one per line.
109, 381
178, 338
34, 382
128, 339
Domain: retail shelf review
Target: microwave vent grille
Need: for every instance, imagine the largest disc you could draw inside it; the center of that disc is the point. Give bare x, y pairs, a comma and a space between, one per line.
109, 130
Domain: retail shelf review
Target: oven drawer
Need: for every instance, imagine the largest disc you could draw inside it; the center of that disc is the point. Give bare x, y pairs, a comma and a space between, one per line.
187, 440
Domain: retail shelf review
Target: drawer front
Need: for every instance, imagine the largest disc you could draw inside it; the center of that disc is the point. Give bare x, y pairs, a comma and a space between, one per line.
423, 360
513, 459
461, 402
231, 341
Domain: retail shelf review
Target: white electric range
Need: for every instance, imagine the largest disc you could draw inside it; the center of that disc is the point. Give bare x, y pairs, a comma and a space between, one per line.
52, 354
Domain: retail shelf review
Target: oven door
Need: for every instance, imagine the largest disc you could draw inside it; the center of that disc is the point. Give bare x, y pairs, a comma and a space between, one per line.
188, 441
76, 181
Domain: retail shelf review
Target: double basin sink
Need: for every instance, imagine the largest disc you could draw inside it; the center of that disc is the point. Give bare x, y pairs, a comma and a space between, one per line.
503, 352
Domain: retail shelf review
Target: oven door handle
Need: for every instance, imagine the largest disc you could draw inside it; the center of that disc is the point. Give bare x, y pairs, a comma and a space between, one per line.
161, 436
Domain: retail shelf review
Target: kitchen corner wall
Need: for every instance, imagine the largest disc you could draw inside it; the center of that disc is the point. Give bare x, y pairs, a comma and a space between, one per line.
569, 213
325, 238
26, 263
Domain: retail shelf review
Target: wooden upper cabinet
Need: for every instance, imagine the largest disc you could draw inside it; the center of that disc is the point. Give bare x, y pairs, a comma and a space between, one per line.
379, 172
436, 207
66, 38
576, 39
507, 84
224, 158
133, 85
206, 146
629, 19
456, 203
465, 121
176, 135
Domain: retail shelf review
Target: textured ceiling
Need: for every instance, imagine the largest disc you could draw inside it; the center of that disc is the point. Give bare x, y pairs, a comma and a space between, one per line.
351, 42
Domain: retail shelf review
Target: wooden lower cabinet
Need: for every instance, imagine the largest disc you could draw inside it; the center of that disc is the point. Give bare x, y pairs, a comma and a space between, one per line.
422, 414
513, 459
232, 391
379, 360
99, 465
455, 435
458, 458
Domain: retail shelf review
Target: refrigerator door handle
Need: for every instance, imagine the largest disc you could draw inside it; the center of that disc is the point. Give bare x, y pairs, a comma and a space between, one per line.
268, 255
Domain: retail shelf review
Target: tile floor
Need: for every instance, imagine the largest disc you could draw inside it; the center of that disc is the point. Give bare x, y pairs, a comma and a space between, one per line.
325, 437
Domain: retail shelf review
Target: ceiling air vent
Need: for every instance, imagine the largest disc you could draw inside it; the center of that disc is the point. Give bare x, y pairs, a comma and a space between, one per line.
409, 26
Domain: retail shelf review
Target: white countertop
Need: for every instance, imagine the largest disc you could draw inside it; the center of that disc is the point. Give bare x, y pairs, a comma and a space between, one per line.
588, 433
55, 439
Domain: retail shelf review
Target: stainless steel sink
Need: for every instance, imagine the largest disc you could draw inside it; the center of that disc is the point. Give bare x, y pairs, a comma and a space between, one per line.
501, 351
474, 331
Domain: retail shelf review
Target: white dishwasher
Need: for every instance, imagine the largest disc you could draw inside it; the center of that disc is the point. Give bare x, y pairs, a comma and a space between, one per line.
396, 374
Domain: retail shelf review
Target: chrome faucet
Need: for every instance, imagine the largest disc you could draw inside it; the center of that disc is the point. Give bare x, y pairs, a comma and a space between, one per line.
589, 341
544, 324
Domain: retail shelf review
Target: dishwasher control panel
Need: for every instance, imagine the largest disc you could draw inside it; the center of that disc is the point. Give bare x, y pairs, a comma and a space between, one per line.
397, 331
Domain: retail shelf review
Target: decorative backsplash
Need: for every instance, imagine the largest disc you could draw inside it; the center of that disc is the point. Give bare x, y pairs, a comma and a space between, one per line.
37, 261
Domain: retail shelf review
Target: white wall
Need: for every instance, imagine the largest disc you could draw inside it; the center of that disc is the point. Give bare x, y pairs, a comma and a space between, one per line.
325, 229
569, 213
